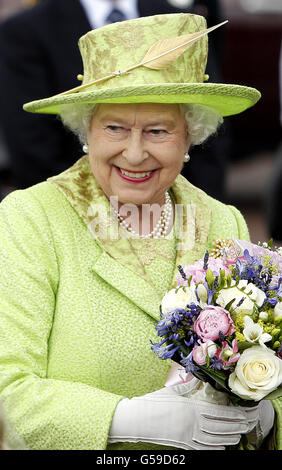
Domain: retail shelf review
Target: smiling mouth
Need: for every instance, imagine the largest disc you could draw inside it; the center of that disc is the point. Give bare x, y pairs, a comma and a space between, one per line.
135, 175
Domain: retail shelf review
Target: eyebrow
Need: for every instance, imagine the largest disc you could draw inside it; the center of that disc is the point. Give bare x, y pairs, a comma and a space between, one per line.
154, 122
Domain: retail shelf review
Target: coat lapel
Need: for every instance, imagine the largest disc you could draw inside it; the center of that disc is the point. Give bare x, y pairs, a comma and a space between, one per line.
131, 285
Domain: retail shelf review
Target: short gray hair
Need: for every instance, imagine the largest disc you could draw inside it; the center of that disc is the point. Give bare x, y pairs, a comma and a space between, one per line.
202, 121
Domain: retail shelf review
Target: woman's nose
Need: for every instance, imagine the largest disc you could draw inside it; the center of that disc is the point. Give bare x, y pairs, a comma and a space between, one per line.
134, 150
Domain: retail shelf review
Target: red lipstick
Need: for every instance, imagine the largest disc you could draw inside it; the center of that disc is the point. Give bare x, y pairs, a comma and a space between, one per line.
134, 180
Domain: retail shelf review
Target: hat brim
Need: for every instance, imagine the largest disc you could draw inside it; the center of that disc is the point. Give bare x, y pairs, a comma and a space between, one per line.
227, 99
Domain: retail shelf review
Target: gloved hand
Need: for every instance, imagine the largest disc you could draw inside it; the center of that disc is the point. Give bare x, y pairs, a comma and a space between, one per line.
260, 418
168, 417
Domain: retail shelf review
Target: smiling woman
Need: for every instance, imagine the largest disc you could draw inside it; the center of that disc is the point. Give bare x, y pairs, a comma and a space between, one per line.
87, 256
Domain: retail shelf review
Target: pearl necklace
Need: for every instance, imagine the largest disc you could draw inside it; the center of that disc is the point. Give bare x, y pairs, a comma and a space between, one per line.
161, 227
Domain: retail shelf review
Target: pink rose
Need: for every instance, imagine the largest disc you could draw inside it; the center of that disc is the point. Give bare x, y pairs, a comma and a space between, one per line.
211, 321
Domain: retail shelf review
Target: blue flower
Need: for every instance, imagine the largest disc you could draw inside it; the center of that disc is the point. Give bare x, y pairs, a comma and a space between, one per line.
175, 329
191, 339
206, 259
178, 319
271, 301
276, 291
253, 270
182, 273
215, 363
169, 321
210, 296
164, 352
188, 363
279, 287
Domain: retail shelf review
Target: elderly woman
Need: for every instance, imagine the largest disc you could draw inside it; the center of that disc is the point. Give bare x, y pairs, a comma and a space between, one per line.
87, 255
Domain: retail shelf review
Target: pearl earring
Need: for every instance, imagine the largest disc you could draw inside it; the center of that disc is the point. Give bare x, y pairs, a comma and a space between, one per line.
85, 148
186, 157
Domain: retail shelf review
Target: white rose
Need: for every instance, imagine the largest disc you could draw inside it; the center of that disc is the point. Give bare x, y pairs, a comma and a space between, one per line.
251, 295
179, 298
257, 373
278, 310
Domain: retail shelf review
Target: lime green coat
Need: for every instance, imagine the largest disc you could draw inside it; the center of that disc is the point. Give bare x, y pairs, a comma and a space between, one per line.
77, 313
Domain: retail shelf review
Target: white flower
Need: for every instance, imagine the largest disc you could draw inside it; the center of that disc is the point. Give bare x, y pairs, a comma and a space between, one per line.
250, 294
253, 332
263, 316
200, 352
279, 250
278, 310
202, 293
257, 373
211, 348
179, 298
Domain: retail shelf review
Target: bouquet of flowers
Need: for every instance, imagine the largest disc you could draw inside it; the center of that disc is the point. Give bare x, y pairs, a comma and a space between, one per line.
223, 321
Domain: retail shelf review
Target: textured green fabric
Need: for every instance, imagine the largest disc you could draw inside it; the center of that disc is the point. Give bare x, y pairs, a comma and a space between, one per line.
119, 46
75, 322
277, 438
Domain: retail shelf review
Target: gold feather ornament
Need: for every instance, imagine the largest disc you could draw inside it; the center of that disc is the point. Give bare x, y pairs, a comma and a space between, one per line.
159, 56
164, 52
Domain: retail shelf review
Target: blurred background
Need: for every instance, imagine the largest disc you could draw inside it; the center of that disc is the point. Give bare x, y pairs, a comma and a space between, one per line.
250, 54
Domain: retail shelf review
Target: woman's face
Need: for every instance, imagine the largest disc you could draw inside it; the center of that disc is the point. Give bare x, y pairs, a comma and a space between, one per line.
137, 150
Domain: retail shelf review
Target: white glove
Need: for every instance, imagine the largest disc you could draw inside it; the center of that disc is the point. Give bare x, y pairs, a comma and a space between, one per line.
260, 418
167, 417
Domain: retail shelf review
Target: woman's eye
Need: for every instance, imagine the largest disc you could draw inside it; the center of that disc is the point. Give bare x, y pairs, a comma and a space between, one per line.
114, 128
157, 131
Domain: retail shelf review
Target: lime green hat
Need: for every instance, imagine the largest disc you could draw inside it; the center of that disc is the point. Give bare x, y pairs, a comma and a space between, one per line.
155, 59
